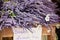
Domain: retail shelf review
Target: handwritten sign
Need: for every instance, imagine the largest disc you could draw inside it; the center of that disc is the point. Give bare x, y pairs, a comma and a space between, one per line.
25, 34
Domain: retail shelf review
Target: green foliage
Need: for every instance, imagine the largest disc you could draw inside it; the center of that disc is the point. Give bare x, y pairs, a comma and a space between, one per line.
11, 13
6, 0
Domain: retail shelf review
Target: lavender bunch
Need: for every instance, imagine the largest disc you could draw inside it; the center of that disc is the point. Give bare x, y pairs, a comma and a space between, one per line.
28, 13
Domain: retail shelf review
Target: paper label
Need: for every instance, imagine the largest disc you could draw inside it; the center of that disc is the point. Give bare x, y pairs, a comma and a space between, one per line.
25, 34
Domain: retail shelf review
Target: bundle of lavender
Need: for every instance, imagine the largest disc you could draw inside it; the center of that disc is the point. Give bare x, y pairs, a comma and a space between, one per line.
27, 13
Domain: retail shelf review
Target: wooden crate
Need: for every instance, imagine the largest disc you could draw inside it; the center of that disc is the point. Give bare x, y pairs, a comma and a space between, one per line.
7, 32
